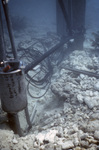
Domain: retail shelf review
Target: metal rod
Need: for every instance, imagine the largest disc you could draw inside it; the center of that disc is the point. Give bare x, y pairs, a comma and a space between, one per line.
14, 123
6, 11
52, 50
92, 74
32, 117
2, 48
28, 117
66, 16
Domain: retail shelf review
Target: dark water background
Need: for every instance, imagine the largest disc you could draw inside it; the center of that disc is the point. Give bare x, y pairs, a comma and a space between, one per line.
92, 15
39, 12
43, 12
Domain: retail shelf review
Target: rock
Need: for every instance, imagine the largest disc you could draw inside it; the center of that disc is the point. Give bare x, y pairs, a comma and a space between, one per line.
91, 93
14, 141
82, 76
96, 134
96, 93
60, 132
92, 141
71, 131
80, 98
49, 146
90, 102
96, 86
50, 136
65, 131
25, 147
40, 137
76, 142
94, 147
85, 116
80, 133
77, 148
67, 88
71, 40
42, 147
84, 144
87, 101
57, 116
95, 116
5, 149
92, 126
62, 71
66, 145
57, 147
35, 144
84, 136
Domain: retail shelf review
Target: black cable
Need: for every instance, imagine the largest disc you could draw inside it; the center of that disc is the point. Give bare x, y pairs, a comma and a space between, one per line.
46, 66
37, 96
45, 55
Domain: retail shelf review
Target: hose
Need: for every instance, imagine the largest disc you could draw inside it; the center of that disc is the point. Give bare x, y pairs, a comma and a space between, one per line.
45, 55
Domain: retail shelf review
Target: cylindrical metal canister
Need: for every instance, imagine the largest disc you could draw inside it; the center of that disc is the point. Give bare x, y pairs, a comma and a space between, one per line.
13, 91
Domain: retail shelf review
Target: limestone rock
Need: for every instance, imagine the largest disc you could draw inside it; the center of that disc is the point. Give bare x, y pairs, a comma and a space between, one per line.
15, 141
42, 147
84, 144
25, 146
90, 102
40, 137
77, 148
96, 134
50, 136
57, 147
36, 144
65, 144
92, 126
82, 76
84, 136
95, 116
80, 98
49, 146
5, 149
76, 142
96, 86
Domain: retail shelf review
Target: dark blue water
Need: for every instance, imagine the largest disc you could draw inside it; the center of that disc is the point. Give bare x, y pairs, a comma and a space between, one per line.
36, 11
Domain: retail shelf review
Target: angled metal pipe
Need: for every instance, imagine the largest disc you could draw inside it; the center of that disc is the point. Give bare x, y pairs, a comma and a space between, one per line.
6, 11
2, 48
45, 55
66, 16
91, 74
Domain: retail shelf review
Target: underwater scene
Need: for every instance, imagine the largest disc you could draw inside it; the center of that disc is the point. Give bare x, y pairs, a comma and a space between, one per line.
49, 74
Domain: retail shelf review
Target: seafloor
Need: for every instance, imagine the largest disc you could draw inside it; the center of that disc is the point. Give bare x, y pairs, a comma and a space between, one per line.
67, 116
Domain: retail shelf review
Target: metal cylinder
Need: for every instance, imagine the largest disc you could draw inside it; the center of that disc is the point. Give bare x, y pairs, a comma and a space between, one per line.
13, 91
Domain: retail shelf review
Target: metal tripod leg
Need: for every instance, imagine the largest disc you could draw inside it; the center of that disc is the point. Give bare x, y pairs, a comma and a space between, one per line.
14, 123
28, 119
